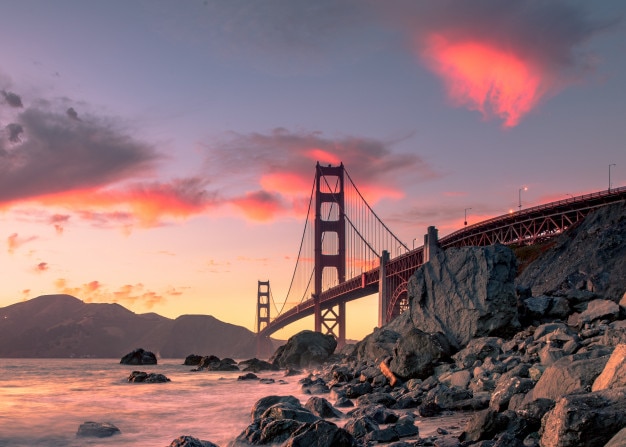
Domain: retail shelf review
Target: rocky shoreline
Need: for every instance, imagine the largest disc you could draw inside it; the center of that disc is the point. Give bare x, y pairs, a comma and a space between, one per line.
509, 358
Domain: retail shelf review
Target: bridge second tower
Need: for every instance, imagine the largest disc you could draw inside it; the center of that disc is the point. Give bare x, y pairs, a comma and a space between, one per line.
330, 246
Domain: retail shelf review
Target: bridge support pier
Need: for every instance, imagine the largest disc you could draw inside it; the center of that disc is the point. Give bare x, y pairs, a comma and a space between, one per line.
383, 289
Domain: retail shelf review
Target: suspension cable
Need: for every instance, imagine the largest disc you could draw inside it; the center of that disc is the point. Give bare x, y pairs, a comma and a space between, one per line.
372, 211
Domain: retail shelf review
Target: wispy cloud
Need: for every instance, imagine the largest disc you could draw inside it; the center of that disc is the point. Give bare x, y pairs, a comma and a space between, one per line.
14, 241
128, 295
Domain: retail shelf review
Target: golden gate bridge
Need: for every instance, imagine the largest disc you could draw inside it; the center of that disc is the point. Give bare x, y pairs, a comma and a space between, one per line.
347, 252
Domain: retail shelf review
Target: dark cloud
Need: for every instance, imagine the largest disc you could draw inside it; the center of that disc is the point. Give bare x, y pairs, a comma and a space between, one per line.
42, 267
12, 99
14, 131
72, 114
283, 151
61, 156
550, 33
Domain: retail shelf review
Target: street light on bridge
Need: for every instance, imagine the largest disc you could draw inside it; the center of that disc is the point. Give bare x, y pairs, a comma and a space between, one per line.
612, 164
465, 222
525, 188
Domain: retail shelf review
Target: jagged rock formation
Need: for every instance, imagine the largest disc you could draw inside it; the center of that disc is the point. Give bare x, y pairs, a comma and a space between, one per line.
586, 262
465, 293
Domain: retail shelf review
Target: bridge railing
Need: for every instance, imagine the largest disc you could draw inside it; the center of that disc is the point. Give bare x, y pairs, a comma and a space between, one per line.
599, 196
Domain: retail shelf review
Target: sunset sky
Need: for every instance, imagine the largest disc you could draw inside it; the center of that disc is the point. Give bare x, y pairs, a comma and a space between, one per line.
160, 154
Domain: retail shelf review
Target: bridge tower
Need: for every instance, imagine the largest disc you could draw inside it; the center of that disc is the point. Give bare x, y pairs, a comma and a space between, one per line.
262, 305
264, 345
330, 246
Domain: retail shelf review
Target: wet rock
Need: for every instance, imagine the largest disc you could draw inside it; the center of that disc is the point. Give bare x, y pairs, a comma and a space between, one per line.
359, 427
256, 365
192, 360
385, 399
356, 390
322, 408
139, 357
377, 413
321, 434
289, 410
144, 377
190, 441
306, 348
316, 386
97, 429
264, 403
248, 376
344, 402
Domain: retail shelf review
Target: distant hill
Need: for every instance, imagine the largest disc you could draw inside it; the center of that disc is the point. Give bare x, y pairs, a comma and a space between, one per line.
63, 326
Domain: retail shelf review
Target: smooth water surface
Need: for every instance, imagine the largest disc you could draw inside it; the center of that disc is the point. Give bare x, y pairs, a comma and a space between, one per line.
44, 401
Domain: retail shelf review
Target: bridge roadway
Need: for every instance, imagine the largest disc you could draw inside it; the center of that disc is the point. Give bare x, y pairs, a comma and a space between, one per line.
525, 226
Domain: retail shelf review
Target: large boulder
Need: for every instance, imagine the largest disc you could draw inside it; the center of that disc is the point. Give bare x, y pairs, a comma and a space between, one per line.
378, 345
416, 354
588, 419
614, 373
306, 348
465, 293
566, 376
589, 258
139, 357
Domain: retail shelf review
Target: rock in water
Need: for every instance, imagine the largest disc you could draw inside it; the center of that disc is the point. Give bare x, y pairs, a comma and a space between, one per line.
141, 376
97, 429
139, 357
465, 293
190, 441
306, 348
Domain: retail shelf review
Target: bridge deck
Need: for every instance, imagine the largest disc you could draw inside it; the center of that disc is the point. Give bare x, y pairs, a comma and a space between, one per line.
524, 226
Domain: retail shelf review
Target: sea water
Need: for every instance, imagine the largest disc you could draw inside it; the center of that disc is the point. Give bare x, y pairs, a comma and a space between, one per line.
44, 401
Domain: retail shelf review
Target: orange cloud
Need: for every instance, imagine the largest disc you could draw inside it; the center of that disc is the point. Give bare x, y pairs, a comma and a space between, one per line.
145, 203
487, 78
127, 295
14, 242
260, 206
324, 157
287, 183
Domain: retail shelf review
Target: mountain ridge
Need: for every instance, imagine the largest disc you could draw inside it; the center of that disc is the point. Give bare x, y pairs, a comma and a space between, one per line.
63, 326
